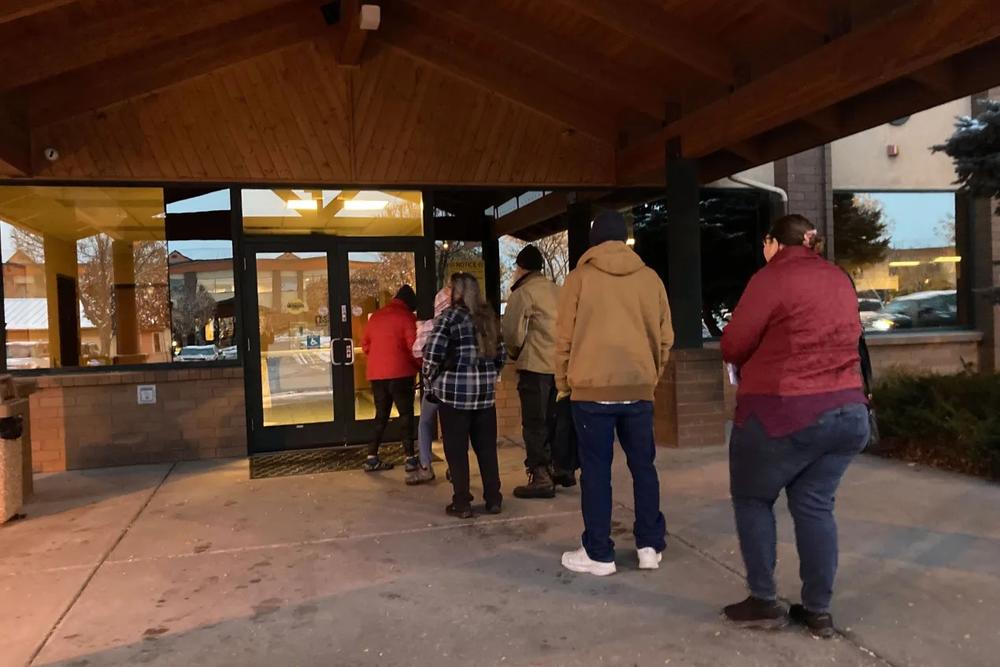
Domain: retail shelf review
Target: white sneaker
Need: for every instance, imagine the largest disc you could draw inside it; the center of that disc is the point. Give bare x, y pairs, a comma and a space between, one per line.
579, 561
649, 558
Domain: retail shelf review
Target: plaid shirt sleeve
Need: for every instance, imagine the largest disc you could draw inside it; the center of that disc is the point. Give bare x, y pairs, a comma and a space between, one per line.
436, 347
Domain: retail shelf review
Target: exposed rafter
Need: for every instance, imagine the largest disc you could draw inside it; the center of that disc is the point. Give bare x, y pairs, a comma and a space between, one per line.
142, 28
15, 139
12, 10
418, 34
812, 14
102, 84
349, 39
976, 70
632, 87
657, 29
906, 41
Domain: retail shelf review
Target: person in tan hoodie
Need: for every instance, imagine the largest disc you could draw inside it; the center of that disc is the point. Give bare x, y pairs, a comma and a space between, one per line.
613, 340
529, 333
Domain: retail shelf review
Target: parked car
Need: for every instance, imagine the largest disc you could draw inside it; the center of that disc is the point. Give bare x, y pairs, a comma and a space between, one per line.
920, 309
27, 355
869, 306
228, 353
198, 353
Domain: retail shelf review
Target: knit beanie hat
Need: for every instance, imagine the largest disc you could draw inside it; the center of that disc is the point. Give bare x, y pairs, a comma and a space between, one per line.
407, 296
608, 226
530, 259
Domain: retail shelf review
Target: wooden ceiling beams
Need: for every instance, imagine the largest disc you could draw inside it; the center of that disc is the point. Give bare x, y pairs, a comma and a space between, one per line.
12, 10
811, 14
15, 138
656, 29
162, 64
350, 38
913, 38
419, 34
576, 61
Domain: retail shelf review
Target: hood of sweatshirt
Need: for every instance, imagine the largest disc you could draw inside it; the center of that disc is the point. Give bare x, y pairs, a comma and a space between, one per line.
614, 258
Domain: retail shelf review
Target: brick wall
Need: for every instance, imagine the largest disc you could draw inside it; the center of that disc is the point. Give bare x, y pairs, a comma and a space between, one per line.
91, 420
806, 178
690, 403
508, 406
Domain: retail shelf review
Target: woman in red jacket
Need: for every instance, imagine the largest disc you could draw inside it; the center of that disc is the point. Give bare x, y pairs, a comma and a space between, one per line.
801, 416
392, 370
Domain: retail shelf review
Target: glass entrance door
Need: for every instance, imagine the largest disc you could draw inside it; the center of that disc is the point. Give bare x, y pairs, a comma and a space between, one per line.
308, 314
374, 278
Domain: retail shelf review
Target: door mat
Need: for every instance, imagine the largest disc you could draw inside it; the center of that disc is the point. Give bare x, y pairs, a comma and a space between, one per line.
326, 459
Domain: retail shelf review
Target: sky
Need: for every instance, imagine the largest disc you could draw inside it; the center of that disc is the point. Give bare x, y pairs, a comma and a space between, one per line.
914, 217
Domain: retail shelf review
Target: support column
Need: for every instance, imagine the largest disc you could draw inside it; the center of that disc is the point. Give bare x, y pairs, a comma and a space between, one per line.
807, 178
690, 401
126, 316
684, 250
579, 215
977, 232
61, 260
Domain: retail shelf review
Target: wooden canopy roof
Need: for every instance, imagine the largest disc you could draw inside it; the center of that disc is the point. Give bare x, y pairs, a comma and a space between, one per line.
502, 93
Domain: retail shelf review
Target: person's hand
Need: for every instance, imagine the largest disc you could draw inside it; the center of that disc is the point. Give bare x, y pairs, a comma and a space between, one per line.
561, 395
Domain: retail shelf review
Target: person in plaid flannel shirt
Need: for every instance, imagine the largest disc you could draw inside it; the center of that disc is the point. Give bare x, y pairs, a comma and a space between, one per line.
463, 357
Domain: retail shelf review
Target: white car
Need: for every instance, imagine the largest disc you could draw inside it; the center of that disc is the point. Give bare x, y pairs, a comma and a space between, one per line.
198, 353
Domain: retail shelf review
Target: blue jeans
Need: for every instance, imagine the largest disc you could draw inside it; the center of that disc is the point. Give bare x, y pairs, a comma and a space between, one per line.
426, 428
596, 425
809, 465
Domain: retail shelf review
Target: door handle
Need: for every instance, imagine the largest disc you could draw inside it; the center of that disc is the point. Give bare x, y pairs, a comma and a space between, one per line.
349, 358
333, 352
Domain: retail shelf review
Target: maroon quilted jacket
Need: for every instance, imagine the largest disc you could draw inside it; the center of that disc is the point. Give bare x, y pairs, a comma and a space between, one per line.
795, 331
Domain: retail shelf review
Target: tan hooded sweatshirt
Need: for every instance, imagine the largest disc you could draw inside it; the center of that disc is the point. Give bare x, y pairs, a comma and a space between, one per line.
613, 332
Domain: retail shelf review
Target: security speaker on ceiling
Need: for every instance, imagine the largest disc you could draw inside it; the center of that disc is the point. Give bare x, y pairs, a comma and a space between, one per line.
370, 17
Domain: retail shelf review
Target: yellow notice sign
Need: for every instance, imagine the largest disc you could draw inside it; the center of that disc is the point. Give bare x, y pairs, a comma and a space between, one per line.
475, 267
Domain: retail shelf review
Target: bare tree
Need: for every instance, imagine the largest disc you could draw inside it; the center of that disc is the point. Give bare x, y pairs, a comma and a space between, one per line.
193, 309
555, 257
28, 242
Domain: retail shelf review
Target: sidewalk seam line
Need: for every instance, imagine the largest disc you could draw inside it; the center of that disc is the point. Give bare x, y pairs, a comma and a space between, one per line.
104, 557
850, 638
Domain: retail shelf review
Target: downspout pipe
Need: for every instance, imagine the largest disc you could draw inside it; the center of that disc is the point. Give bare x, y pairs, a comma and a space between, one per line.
757, 185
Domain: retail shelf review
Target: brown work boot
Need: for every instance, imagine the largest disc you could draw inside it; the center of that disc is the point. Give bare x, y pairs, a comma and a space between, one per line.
540, 484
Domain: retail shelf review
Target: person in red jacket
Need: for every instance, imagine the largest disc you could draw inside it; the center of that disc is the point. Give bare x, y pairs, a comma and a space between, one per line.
388, 345
801, 417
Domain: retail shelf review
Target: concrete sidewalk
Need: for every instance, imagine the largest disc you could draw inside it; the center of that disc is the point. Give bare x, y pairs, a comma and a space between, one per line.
196, 564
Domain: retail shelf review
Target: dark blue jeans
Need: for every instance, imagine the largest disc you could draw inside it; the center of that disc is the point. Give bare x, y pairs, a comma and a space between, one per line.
596, 425
809, 465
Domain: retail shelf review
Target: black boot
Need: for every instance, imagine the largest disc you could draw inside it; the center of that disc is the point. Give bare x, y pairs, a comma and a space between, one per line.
759, 614
564, 478
539, 484
819, 624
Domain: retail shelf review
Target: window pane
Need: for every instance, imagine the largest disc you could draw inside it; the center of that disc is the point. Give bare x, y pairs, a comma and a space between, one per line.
336, 212
375, 278
202, 288
459, 256
900, 249
87, 271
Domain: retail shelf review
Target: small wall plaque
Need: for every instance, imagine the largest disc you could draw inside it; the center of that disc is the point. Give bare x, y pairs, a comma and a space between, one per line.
146, 394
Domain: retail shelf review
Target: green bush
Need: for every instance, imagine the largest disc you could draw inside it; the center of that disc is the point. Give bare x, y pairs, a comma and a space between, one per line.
951, 421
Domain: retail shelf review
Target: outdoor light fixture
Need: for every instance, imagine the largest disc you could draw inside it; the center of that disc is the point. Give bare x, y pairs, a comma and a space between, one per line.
365, 204
948, 259
630, 242
897, 265
302, 204
370, 17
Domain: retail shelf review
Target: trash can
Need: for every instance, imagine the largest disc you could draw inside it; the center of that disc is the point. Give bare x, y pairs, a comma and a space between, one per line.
15, 464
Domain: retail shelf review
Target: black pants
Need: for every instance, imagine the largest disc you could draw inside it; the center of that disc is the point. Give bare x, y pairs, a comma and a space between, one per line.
458, 427
564, 449
537, 392
386, 392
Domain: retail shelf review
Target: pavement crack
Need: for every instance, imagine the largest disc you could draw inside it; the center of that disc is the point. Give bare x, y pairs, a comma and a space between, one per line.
93, 572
